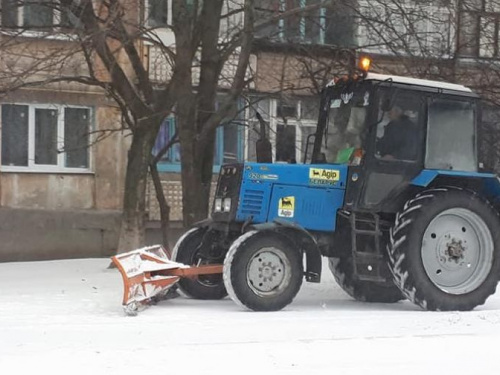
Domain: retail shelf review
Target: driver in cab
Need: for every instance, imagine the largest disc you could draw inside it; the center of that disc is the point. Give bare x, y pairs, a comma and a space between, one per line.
399, 140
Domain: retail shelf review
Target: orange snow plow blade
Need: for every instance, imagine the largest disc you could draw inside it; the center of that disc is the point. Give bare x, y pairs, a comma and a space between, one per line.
147, 273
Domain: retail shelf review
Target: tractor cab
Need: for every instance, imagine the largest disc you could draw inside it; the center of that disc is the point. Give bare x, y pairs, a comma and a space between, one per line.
388, 129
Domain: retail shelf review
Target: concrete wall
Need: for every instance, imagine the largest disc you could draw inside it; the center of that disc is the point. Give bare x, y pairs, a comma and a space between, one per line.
49, 191
66, 215
30, 234
110, 162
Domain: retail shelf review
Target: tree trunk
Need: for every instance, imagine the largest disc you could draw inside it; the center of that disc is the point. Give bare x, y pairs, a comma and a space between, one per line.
195, 196
195, 190
132, 233
196, 163
193, 110
163, 205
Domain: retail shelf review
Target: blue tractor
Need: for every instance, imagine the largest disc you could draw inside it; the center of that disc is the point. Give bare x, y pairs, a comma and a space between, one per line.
391, 193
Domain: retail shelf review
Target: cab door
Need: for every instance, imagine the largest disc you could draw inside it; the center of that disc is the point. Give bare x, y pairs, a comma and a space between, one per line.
395, 152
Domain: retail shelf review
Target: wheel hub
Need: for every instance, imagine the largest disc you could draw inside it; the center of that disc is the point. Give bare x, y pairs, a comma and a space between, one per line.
268, 271
455, 250
451, 252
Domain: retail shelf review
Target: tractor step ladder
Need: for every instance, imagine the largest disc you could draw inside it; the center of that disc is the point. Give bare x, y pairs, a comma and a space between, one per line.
367, 265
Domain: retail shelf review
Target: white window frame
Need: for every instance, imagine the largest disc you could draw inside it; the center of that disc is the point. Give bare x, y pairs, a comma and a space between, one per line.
54, 33
302, 23
56, 16
274, 121
44, 168
169, 14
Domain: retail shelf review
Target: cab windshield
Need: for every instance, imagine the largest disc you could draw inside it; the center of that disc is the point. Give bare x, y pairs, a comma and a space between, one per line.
346, 123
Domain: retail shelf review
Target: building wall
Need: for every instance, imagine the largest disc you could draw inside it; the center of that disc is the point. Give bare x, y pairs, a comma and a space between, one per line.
110, 157
47, 191
64, 215
40, 234
99, 188
295, 71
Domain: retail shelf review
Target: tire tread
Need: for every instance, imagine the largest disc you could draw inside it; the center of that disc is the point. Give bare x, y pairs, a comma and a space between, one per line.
413, 284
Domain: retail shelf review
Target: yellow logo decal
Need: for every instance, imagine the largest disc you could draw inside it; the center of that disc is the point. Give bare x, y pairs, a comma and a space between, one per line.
324, 174
286, 207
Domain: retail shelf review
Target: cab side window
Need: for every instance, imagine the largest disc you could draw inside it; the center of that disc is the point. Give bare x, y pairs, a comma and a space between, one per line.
450, 135
398, 127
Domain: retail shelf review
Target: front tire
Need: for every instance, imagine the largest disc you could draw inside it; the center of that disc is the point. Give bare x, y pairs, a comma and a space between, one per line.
187, 251
445, 250
263, 271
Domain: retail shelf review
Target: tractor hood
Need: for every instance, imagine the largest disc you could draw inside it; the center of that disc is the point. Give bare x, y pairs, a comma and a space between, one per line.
304, 194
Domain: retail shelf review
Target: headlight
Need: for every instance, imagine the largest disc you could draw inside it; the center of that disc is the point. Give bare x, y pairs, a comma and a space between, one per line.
229, 170
227, 204
218, 205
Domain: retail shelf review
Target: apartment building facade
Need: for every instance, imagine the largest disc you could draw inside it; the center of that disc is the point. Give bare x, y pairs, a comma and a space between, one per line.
59, 198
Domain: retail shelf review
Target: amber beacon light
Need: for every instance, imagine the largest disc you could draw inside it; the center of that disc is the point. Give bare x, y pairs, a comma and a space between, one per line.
364, 64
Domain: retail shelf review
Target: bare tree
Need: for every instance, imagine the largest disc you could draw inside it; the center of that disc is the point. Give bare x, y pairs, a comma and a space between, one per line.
107, 42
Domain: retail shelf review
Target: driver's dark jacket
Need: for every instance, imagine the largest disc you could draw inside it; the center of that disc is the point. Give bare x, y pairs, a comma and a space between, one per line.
400, 139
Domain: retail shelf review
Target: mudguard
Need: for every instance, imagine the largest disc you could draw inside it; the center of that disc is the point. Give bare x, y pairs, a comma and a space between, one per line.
304, 239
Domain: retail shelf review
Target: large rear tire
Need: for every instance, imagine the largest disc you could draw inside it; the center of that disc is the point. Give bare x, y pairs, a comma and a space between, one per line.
263, 271
445, 250
365, 291
187, 251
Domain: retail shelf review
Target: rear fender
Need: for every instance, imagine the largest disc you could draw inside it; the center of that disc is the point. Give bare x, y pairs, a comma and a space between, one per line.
427, 176
485, 184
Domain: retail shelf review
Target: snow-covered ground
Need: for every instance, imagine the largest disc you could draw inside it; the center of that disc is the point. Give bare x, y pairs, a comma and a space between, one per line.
65, 317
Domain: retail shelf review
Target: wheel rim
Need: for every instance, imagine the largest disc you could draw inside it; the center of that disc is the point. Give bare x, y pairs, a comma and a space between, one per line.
457, 251
268, 272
